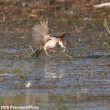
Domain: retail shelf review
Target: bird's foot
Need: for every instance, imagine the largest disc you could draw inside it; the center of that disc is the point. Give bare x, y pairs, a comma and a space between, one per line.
62, 51
68, 56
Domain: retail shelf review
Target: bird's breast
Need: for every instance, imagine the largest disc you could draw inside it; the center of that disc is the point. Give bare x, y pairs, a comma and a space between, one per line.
51, 43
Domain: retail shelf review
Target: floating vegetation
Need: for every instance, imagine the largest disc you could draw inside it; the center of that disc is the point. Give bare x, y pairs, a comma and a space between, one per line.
14, 71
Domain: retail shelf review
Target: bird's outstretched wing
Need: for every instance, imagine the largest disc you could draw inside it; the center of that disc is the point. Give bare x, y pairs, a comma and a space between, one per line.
40, 32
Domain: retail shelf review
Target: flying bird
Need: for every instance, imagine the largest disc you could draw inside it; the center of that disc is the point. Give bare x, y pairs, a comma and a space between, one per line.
47, 41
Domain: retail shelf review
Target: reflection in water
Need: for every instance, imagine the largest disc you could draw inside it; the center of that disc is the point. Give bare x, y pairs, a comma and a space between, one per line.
56, 102
52, 69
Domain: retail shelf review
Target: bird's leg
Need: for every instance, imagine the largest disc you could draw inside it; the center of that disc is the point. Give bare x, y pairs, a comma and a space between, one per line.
68, 56
63, 50
62, 46
46, 52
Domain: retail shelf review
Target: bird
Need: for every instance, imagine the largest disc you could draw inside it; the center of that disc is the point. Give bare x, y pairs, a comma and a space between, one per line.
47, 41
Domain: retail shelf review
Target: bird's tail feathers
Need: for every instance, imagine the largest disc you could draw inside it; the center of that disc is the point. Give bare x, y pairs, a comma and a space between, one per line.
37, 52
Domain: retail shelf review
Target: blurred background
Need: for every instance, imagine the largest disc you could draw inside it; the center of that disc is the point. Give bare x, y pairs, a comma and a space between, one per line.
17, 17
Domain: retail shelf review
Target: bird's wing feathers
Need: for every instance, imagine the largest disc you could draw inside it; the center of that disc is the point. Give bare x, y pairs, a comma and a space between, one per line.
40, 32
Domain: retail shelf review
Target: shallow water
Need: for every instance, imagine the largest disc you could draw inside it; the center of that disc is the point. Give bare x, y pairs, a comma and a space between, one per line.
56, 82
